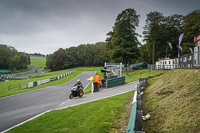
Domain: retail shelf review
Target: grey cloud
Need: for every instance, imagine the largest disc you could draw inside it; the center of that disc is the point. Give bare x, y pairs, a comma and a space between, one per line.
46, 25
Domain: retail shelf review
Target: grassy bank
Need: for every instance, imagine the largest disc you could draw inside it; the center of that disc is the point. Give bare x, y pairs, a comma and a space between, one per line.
135, 75
173, 101
95, 117
38, 61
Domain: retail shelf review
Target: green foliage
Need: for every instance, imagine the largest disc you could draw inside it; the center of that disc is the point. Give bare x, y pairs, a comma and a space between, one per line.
122, 41
191, 28
95, 117
83, 55
135, 75
159, 29
10, 58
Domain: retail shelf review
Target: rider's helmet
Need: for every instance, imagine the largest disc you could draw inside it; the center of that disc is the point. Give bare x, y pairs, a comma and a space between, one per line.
78, 80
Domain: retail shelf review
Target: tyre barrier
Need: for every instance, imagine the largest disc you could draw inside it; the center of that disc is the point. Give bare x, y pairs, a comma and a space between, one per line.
36, 83
135, 120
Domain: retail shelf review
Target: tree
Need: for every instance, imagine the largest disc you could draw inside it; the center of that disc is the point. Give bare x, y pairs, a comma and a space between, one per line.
108, 47
153, 35
191, 28
24, 60
14, 62
173, 31
59, 58
99, 58
124, 38
50, 62
71, 57
56, 60
5, 55
10, 58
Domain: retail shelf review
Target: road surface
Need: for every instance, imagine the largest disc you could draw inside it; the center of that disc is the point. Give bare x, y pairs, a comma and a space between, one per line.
105, 93
21, 107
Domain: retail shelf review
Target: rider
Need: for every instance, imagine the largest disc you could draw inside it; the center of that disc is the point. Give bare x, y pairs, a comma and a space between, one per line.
79, 84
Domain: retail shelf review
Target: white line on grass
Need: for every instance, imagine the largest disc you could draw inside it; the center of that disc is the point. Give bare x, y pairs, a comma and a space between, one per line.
90, 81
94, 100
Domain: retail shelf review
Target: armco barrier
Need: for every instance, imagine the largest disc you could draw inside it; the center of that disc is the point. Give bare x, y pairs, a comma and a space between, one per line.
135, 120
30, 84
36, 83
39, 82
115, 81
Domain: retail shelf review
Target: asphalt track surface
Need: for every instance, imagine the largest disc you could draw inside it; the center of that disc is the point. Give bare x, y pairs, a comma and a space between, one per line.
21, 107
104, 93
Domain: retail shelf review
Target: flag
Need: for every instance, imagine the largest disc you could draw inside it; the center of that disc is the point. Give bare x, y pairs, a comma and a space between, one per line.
180, 39
191, 50
169, 43
180, 48
91, 78
179, 45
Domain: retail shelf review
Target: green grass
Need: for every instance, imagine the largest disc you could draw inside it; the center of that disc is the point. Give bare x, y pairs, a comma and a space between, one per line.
131, 76
38, 61
135, 75
97, 69
173, 101
95, 117
15, 83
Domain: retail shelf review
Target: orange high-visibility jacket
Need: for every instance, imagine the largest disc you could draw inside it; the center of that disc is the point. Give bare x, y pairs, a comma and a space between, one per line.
97, 79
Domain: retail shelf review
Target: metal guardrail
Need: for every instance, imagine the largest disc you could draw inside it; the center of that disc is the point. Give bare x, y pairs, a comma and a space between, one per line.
17, 75
26, 85
36, 83
135, 120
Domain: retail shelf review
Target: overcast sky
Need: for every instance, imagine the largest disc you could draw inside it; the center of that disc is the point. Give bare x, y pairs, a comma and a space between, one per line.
43, 26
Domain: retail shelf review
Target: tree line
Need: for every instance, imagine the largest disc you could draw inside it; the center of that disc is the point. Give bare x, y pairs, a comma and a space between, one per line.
37, 55
122, 43
159, 29
10, 58
83, 55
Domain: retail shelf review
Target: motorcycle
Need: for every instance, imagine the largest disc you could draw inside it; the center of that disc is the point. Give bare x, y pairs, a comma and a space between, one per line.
76, 91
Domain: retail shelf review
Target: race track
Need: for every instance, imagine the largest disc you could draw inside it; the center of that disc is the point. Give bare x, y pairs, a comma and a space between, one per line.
21, 107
